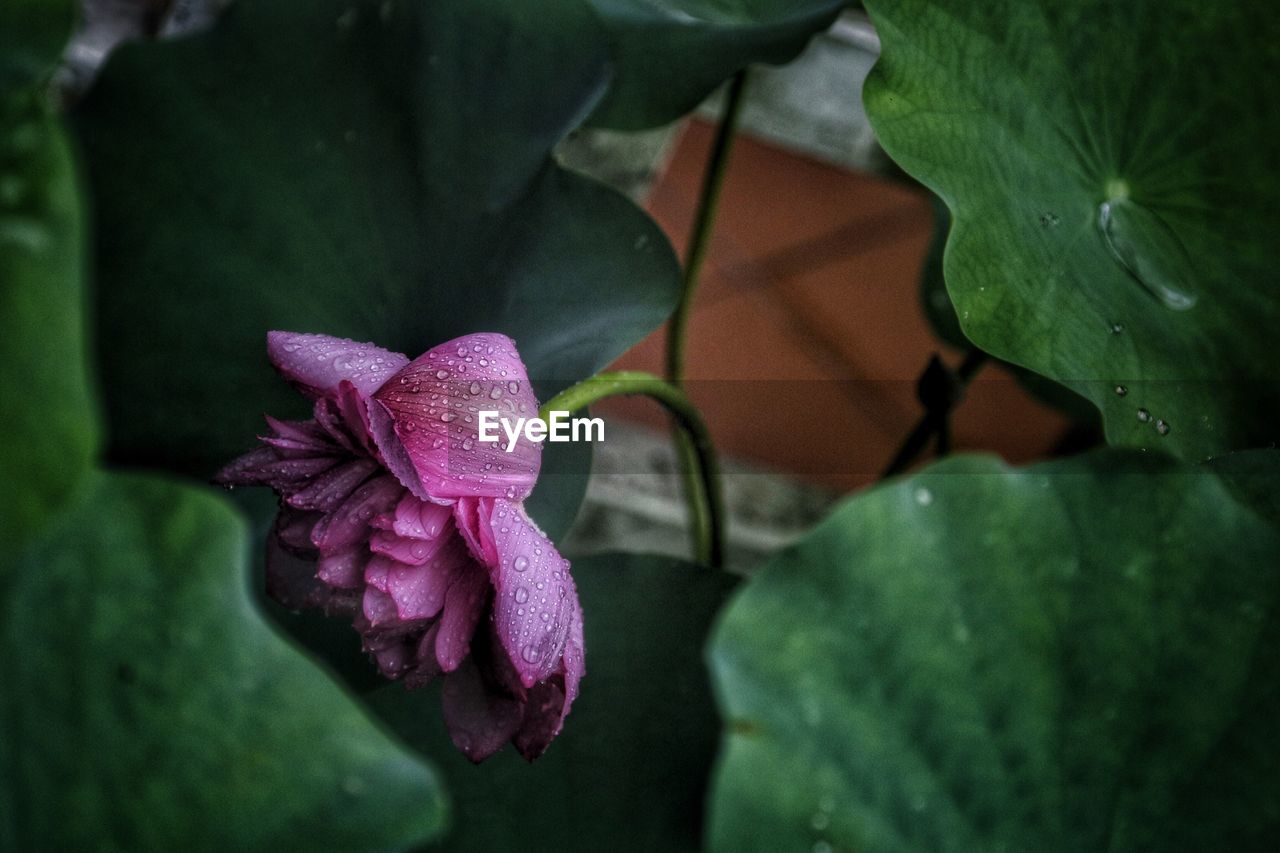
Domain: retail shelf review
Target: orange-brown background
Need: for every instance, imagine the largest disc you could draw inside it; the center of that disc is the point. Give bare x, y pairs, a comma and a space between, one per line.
807, 334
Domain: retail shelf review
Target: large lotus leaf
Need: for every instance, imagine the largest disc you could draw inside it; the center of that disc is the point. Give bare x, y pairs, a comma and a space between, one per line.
47, 416
670, 54
630, 769
147, 706
32, 35
1082, 655
376, 170
1112, 174
941, 314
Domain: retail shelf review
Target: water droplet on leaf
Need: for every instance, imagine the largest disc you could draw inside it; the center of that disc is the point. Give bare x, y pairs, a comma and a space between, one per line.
1148, 250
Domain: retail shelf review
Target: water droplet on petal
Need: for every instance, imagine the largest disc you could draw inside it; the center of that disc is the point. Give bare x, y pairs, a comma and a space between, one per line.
520, 563
475, 388
531, 654
522, 595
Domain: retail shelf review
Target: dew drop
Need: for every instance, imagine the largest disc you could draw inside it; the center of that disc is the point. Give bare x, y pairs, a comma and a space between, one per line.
1146, 248
495, 393
1121, 390
513, 386
1116, 328
924, 497
522, 595
442, 374
1162, 427
466, 444
475, 388
521, 563
1144, 415
448, 416
531, 654
1049, 219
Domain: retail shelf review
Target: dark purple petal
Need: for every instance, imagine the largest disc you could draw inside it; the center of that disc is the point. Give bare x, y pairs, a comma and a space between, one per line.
544, 712
263, 466
471, 515
479, 721
417, 592
301, 432
294, 529
343, 569
548, 703
378, 608
415, 518
291, 580
535, 602
404, 549
336, 429
332, 487
462, 608
395, 659
349, 523
287, 448
426, 420
427, 667
317, 363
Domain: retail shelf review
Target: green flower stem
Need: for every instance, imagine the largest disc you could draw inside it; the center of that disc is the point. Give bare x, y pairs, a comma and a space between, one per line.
702, 493
704, 220
707, 511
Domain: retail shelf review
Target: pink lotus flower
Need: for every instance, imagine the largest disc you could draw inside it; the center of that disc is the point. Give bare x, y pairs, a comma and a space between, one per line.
414, 529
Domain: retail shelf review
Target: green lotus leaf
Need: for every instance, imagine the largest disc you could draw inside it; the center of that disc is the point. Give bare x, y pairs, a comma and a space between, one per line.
1081, 655
670, 54
147, 706
48, 418
373, 170
1112, 176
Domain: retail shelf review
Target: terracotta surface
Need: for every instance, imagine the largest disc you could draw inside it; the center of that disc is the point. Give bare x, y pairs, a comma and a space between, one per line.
807, 336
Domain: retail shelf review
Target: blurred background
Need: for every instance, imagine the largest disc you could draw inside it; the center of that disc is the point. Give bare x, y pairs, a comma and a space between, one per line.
806, 398
807, 337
